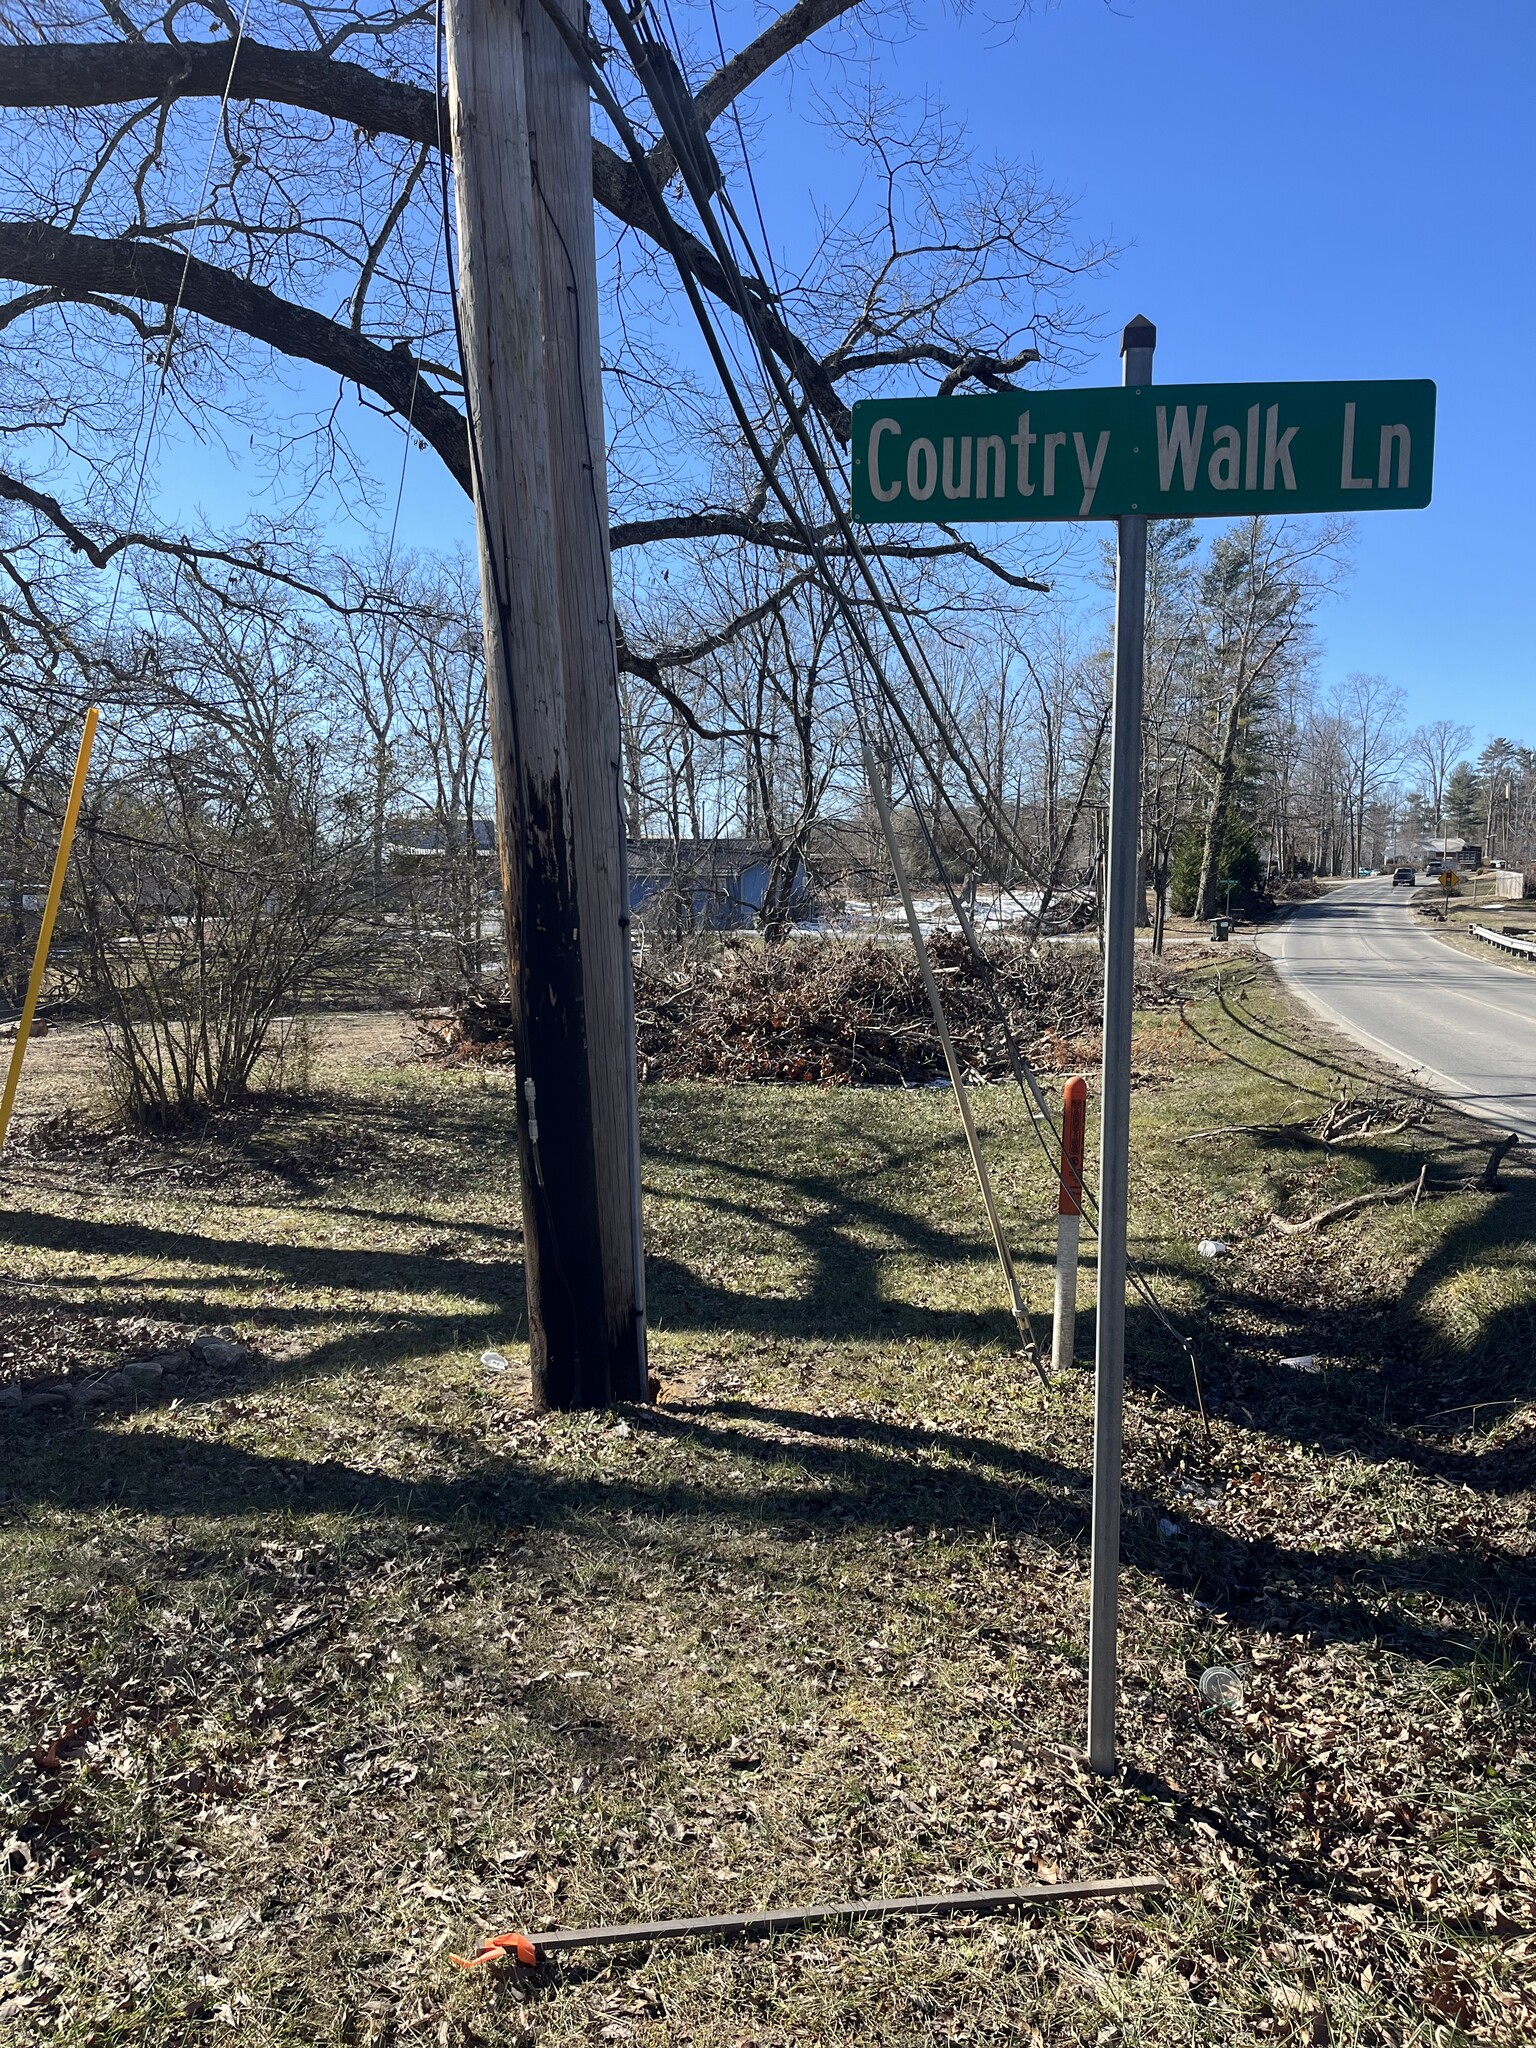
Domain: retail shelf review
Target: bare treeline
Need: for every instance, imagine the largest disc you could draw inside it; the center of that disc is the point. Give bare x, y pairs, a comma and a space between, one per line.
286, 800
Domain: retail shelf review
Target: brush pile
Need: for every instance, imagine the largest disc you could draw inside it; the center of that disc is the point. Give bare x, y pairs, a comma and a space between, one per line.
831, 1012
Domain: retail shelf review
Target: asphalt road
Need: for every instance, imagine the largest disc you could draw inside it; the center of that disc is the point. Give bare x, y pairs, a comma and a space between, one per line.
1465, 1028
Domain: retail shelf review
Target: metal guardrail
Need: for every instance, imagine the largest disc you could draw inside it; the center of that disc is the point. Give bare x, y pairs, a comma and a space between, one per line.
1526, 948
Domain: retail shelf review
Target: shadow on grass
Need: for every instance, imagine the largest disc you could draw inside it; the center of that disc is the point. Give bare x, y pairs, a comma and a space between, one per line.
841, 1248
815, 1475
840, 1233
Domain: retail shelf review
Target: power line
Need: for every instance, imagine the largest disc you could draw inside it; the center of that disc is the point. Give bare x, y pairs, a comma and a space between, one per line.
746, 305
747, 297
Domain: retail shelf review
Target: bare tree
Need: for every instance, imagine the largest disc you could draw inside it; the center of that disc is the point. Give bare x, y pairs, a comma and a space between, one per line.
212, 869
1370, 714
1433, 751
319, 236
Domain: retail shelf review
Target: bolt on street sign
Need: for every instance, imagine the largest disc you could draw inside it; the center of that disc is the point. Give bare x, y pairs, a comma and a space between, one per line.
1169, 451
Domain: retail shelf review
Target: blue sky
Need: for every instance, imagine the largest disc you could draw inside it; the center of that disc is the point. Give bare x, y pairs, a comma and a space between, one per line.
1313, 189
1321, 188
1298, 188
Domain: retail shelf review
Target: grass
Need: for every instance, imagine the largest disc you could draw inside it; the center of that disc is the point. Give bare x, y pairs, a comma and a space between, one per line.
377, 1660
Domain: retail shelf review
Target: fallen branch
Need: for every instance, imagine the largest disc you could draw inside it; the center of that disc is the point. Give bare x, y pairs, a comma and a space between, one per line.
1488, 1179
1303, 1129
1357, 1133
1399, 1193
1486, 1183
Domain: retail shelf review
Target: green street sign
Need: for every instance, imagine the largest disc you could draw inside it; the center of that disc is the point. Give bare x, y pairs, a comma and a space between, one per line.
1171, 451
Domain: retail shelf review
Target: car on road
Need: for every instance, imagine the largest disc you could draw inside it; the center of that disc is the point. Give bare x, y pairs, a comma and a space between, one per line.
1406, 876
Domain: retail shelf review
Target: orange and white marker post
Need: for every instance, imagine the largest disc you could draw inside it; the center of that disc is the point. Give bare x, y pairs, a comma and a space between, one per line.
1069, 1212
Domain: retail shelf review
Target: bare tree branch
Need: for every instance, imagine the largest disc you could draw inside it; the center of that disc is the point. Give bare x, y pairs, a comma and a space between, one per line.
725, 524
81, 266
796, 25
111, 74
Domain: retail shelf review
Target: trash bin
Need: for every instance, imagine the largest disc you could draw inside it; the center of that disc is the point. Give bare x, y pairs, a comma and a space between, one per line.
1221, 929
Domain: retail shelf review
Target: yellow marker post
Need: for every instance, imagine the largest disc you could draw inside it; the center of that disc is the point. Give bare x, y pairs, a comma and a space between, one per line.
50, 914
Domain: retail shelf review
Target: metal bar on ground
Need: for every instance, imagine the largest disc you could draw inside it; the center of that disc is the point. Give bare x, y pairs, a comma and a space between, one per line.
951, 1061
50, 916
1136, 347
788, 1919
1069, 1217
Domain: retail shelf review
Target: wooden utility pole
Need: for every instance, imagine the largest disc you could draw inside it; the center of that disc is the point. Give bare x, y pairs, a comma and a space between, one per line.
561, 152
528, 305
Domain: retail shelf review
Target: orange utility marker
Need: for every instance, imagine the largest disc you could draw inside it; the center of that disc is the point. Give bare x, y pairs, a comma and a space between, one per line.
1069, 1211
50, 914
536, 1948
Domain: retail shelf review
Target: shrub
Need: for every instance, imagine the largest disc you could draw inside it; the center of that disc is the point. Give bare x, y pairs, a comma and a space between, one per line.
204, 898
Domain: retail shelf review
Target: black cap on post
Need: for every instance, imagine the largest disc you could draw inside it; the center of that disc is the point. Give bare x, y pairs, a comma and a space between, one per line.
1139, 333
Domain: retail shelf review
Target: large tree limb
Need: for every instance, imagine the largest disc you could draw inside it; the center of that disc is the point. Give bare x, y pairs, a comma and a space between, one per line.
82, 266
113, 74
796, 25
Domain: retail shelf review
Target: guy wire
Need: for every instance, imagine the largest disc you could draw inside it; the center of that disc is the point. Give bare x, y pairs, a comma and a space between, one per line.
854, 550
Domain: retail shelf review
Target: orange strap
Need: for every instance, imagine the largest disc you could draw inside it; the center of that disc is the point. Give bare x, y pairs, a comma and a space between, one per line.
496, 1946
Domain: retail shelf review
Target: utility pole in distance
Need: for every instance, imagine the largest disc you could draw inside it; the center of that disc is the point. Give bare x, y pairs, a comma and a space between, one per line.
527, 306
1121, 891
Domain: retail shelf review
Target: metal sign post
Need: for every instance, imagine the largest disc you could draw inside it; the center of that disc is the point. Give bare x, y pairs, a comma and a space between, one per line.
1136, 346
1131, 452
